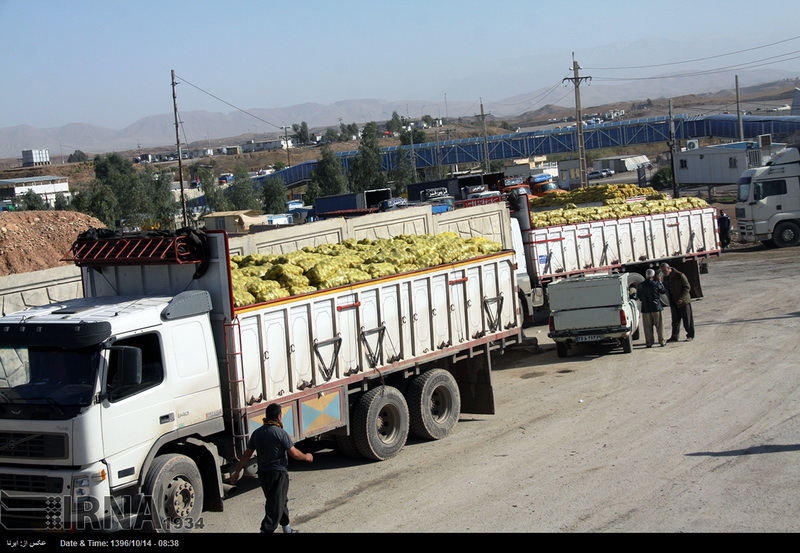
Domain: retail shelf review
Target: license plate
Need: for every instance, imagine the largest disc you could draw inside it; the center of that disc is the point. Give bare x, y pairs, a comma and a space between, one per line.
590, 338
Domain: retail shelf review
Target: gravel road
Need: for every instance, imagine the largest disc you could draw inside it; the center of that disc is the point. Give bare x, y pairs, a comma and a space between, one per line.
701, 436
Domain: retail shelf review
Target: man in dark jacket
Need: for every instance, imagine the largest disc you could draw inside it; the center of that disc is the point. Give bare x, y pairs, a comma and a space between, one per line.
680, 305
649, 292
271, 444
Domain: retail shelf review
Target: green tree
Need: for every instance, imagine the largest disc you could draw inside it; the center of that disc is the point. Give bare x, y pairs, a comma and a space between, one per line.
119, 174
162, 207
215, 199
328, 176
662, 178
418, 134
301, 132
98, 200
312, 193
61, 203
279, 166
402, 174
330, 136
31, 201
366, 171
77, 157
242, 193
274, 192
395, 124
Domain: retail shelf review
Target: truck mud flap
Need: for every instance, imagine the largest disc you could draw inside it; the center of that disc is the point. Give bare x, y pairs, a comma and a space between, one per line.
691, 268
474, 378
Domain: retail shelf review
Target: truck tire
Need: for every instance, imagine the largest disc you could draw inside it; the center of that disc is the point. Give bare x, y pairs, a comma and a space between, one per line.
175, 488
561, 349
380, 423
786, 234
434, 404
347, 446
627, 343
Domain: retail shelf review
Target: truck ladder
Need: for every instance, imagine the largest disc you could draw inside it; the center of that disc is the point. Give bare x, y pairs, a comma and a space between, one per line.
240, 427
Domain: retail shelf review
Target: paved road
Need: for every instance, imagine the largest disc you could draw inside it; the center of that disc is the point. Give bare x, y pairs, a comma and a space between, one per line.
694, 437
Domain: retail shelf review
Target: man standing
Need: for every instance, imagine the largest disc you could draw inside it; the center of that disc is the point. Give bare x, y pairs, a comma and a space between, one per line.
649, 292
271, 444
680, 306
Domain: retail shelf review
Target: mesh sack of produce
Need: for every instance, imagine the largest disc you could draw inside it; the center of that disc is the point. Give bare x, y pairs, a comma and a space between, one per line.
290, 281
271, 294
377, 270
283, 270
325, 270
297, 290
333, 282
356, 275
485, 245
254, 270
257, 285
431, 259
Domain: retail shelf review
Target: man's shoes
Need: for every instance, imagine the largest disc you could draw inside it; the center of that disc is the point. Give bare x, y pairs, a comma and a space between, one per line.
673, 339
663, 344
689, 338
649, 345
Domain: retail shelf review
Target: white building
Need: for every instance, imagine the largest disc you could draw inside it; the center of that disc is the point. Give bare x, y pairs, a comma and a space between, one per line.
720, 164
48, 187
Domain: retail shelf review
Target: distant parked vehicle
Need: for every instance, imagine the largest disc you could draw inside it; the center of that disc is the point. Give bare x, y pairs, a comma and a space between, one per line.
595, 175
607, 172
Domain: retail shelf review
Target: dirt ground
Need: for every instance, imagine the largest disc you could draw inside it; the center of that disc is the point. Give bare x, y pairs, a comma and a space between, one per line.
698, 436
36, 240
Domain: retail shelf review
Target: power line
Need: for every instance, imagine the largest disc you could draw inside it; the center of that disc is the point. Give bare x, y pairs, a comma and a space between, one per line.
694, 60
229, 104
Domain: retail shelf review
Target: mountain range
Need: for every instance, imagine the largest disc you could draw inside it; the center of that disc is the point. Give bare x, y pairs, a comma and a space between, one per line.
204, 128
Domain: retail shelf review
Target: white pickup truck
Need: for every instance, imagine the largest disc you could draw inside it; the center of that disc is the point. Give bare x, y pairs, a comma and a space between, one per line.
595, 308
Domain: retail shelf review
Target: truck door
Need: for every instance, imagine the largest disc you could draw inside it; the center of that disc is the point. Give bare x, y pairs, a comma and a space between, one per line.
135, 411
769, 200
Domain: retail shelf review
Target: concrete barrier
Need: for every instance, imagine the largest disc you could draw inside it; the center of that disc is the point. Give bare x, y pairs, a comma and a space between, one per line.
25, 290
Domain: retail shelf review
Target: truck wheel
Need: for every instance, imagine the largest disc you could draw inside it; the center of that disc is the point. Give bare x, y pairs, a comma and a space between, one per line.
175, 489
786, 234
434, 404
627, 343
347, 446
380, 423
561, 349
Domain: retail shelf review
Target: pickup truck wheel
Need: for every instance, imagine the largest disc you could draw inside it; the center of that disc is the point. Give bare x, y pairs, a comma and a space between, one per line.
175, 490
561, 349
434, 404
627, 343
786, 234
380, 423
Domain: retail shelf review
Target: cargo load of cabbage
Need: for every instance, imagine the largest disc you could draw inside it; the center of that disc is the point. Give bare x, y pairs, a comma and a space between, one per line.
258, 278
598, 193
571, 215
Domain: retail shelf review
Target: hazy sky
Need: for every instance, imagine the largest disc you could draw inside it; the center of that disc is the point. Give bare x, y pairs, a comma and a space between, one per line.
108, 62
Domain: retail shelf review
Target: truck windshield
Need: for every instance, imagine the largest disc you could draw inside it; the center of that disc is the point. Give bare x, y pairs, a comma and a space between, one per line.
46, 383
744, 190
549, 186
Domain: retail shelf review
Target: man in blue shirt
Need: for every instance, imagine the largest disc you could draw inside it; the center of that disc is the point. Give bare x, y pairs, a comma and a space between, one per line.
271, 444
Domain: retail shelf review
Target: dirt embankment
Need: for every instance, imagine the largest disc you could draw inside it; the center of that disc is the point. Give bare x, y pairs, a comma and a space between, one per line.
36, 240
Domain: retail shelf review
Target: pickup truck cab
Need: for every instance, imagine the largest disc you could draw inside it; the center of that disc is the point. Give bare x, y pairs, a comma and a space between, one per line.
595, 308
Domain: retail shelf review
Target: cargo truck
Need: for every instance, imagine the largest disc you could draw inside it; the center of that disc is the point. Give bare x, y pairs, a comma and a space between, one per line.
768, 201
128, 407
684, 238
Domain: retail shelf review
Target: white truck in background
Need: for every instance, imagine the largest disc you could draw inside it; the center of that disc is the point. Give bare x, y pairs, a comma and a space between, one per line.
593, 309
128, 407
768, 201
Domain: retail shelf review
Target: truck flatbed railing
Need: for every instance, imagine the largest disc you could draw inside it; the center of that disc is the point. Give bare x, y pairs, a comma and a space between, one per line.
129, 249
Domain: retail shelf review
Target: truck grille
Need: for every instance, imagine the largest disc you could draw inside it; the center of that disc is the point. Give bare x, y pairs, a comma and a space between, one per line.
26, 445
32, 483
740, 214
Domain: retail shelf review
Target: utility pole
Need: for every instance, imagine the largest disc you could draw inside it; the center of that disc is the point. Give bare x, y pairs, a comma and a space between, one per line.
178, 141
671, 144
739, 112
576, 81
485, 140
411, 141
286, 141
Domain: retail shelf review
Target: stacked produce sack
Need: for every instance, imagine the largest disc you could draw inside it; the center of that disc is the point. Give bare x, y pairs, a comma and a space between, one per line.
614, 204
258, 278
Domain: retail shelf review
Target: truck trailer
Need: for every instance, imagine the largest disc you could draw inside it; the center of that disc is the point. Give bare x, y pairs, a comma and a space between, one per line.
129, 407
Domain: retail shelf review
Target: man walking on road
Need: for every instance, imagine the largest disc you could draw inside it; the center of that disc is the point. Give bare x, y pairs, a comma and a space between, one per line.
271, 444
649, 292
680, 306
